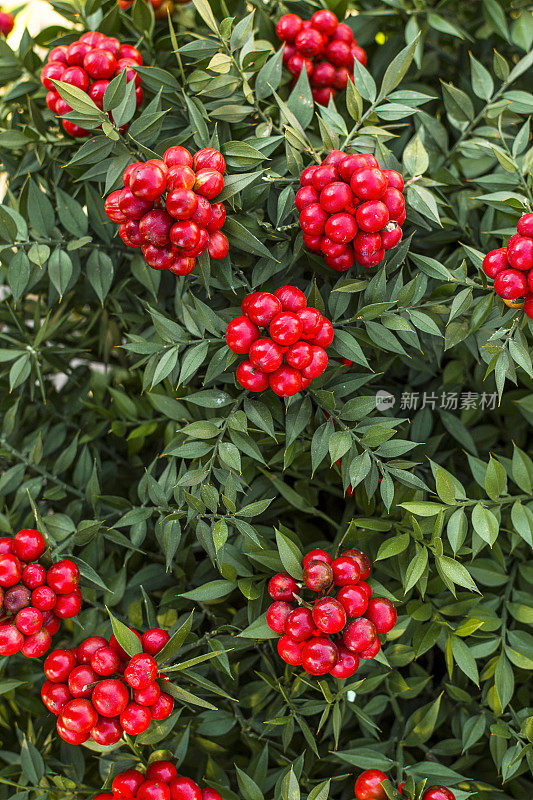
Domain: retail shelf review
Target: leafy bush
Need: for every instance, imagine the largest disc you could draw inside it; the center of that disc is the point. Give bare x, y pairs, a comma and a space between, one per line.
127, 442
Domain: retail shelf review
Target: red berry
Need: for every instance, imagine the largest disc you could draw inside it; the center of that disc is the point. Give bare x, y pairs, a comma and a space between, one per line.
306, 196
58, 53
335, 197
29, 621
322, 95
128, 51
182, 788
341, 228
135, 719
51, 623
162, 708
105, 661
382, 612
52, 71
68, 605
59, 664
372, 215
369, 183
154, 639
342, 76
317, 365
210, 794
306, 178
110, 697
202, 215
371, 260
163, 771
346, 665
158, 257
79, 715
177, 156
111, 44
324, 176
182, 203
319, 655
16, 598
241, 333
28, 545
299, 355
313, 242
438, 793
290, 650
282, 587
209, 158
180, 177
203, 242
329, 615
368, 785
366, 588
519, 254
209, 183
525, 225
323, 74
311, 320
359, 54
277, 614
155, 227
344, 33
141, 671
313, 219
309, 42
112, 208
299, 624
217, 217
285, 328
288, 26
394, 178
391, 235
324, 336
7, 23
147, 696
185, 234
509, 284
89, 647
325, 21
182, 265
495, 262
346, 570
285, 381
371, 651
76, 76
317, 555
266, 355
354, 600
127, 784
6, 545
72, 737
218, 246
10, 570
359, 634
100, 64
147, 182
317, 575
263, 307
339, 53
153, 790
80, 681
251, 378
107, 731
11, 640
297, 62
63, 577
394, 200
352, 163
55, 696
362, 560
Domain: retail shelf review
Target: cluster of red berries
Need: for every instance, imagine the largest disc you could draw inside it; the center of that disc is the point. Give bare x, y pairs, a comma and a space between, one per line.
89, 63
332, 634
33, 599
368, 786
161, 7
6, 23
324, 47
172, 229
292, 355
160, 782
350, 209
512, 267
97, 690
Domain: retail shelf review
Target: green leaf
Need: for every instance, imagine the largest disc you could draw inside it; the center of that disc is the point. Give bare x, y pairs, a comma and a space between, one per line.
126, 638
290, 555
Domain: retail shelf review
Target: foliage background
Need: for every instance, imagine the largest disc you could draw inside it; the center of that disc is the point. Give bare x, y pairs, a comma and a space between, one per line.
124, 434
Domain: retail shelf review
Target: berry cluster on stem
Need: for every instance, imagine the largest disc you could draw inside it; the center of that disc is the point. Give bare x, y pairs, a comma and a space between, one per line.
33, 599
512, 267
294, 352
164, 208
160, 782
89, 63
369, 786
98, 691
330, 634
324, 47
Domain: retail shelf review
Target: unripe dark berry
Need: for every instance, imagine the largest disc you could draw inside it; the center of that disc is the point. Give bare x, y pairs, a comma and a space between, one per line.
317, 575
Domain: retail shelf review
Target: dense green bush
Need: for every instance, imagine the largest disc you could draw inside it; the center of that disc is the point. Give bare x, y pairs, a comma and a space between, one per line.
126, 440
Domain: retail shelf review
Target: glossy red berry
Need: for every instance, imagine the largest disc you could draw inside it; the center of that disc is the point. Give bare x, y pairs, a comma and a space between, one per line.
323, 74
495, 262
28, 545
209, 183
317, 555
290, 650
55, 696
81, 680
63, 577
325, 21
335, 197
299, 355
90, 646
164, 771
285, 381
382, 612
368, 785
394, 178
359, 634
241, 333
266, 355
154, 639
341, 227
282, 587
313, 219
11, 640
317, 365
339, 54
438, 793
372, 216
309, 42
347, 663
346, 570
185, 789
299, 624
141, 671
329, 615
10, 570
317, 575
34, 576
362, 560
368, 183
371, 651
72, 737
135, 719
311, 320
263, 307
277, 614
147, 696
29, 620
162, 708
76, 76
390, 236
509, 284
251, 378
177, 156
319, 655
79, 715
285, 328
59, 664
306, 196
291, 298
354, 600
126, 784
209, 158
107, 731
324, 336
110, 697
520, 253
105, 661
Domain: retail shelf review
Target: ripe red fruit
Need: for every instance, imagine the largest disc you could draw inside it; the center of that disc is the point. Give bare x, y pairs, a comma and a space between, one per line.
306, 196
110, 697
105, 661
291, 298
372, 215
359, 634
341, 227
309, 42
79, 715
317, 555
28, 545
135, 719
263, 307
217, 217
282, 587
7, 23
495, 261
438, 793
391, 235
153, 790
317, 365
185, 234
519, 253
323, 74
11, 640
306, 178
368, 785
218, 246
29, 621
126, 784
288, 26
345, 570
285, 381
180, 177
112, 208
241, 333
182, 265
80, 681
63, 577
209, 158
52, 71
163, 771
251, 378
209, 183
6, 545
371, 651
55, 696
323, 176
89, 647
394, 178
335, 197
299, 355
162, 708
59, 665
317, 575
277, 614
107, 731
311, 320
325, 21
72, 737
147, 696
382, 612
324, 336
182, 788
182, 203
76, 76
147, 181
354, 600
297, 62
368, 183
329, 615
313, 219
346, 665
290, 650
299, 624
100, 64
177, 156
141, 671
285, 328
155, 227
509, 284
366, 588
319, 655
10, 570
154, 639
266, 355
202, 215
362, 560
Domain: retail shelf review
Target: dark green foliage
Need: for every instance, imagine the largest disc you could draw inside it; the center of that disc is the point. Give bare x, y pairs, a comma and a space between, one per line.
127, 442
